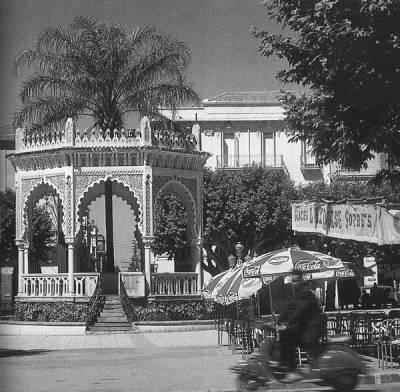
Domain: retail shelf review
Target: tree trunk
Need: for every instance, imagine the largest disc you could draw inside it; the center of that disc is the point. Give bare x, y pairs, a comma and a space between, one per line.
109, 266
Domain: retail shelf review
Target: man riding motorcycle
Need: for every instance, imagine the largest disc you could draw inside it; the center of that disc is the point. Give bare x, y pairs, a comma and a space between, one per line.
304, 326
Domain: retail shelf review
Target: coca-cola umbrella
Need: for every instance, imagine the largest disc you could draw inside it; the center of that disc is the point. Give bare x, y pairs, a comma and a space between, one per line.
230, 286
290, 260
236, 287
348, 271
209, 287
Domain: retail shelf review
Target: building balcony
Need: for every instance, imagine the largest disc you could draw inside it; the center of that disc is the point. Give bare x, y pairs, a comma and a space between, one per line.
310, 170
232, 162
379, 162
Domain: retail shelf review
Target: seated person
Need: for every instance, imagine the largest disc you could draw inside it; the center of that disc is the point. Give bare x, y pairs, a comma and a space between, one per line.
366, 300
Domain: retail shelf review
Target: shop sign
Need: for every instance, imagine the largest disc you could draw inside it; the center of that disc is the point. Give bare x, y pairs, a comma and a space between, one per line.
361, 222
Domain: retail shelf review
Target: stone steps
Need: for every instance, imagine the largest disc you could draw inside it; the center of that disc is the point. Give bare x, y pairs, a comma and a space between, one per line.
112, 319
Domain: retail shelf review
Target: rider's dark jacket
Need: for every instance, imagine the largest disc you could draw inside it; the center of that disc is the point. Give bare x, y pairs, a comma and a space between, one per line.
303, 315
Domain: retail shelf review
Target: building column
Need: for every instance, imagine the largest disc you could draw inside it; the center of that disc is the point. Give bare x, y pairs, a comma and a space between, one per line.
147, 260
249, 149
20, 245
71, 266
221, 146
26, 258
261, 146
236, 150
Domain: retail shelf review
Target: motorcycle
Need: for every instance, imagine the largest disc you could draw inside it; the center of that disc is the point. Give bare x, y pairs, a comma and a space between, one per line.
331, 364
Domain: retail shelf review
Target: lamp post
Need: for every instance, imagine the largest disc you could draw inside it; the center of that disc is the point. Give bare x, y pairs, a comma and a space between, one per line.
93, 243
86, 229
248, 257
231, 261
239, 250
101, 250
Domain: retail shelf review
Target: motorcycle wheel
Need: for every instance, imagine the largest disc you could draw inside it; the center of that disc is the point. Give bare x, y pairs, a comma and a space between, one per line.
245, 382
346, 381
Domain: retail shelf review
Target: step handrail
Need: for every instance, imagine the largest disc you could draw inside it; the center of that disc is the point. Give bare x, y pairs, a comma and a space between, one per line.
126, 304
95, 305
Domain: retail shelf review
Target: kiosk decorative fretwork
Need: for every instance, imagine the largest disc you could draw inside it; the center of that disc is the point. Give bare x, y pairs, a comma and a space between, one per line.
74, 167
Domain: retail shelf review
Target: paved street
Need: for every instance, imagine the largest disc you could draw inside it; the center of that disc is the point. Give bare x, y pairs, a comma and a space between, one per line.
147, 362
173, 361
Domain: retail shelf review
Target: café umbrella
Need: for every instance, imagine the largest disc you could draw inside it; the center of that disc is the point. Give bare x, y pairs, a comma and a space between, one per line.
210, 286
230, 286
236, 287
348, 271
290, 260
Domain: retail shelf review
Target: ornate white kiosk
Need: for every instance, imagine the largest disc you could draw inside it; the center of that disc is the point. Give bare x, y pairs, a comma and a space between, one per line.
141, 165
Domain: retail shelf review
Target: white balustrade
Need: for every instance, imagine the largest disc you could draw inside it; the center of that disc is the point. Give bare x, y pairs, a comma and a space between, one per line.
85, 284
98, 138
176, 284
134, 283
56, 285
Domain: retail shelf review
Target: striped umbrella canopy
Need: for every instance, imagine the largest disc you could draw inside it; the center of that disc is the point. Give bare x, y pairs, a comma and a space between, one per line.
236, 287
290, 260
348, 271
210, 286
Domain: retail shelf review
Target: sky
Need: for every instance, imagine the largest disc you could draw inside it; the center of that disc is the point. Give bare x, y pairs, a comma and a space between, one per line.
224, 54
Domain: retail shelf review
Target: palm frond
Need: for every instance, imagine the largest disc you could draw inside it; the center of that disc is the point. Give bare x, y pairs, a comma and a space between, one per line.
92, 69
56, 39
50, 109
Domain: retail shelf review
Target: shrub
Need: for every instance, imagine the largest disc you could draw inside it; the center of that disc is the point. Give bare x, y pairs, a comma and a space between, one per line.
177, 310
51, 311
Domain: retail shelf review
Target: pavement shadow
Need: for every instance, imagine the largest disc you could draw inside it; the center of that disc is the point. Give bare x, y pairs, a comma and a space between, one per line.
21, 353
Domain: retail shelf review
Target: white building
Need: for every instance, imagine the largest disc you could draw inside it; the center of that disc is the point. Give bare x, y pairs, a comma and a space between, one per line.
241, 128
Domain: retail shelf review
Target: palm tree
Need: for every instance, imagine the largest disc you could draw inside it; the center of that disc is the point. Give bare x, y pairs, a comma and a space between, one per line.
103, 72
90, 69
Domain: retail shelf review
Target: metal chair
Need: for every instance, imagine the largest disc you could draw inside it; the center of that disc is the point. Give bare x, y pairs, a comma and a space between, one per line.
382, 343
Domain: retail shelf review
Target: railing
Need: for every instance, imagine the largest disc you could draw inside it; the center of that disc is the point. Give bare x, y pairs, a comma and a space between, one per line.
174, 284
134, 284
95, 305
43, 285
71, 137
126, 304
238, 161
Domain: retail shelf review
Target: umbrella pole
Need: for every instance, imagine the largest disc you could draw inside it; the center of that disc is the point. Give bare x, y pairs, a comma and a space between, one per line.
270, 300
337, 295
258, 305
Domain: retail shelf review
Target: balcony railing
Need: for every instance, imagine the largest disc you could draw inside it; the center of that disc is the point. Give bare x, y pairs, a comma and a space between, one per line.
56, 286
133, 283
174, 284
238, 161
117, 138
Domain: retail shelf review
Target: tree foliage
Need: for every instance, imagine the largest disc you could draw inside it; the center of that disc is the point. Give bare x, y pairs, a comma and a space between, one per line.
251, 206
91, 69
347, 54
170, 234
42, 234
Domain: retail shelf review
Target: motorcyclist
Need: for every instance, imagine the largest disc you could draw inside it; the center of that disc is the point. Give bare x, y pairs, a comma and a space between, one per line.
304, 326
